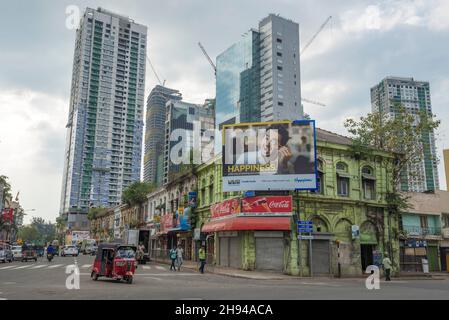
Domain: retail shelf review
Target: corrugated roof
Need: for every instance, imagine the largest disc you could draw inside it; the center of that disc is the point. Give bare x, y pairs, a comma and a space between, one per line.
324, 135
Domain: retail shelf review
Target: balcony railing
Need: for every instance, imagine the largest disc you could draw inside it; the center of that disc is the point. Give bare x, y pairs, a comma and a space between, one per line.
421, 231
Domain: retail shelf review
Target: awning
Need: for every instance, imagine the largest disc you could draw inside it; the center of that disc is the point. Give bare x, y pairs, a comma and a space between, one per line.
248, 223
343, 174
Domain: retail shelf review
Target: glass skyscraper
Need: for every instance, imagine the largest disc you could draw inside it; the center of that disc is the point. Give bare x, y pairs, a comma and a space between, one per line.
155, 132
105, 123
258, 78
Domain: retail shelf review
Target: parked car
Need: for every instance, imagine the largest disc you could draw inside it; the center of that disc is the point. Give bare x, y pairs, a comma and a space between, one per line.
17, 252
6, 253
69, 251
91, 249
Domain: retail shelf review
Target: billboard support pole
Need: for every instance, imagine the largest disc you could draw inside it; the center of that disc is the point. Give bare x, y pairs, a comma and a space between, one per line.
298, 238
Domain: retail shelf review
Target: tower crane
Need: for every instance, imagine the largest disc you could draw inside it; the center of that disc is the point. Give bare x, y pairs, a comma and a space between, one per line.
154, 71
315, 35
208, 58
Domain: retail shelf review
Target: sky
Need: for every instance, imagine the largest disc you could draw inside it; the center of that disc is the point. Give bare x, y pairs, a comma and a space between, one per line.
364, 42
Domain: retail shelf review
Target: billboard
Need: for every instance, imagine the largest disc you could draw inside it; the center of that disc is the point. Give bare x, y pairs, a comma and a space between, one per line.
267, 205
277, 155
225, 208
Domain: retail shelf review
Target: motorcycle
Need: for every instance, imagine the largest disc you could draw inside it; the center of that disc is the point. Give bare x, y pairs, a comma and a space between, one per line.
49, 257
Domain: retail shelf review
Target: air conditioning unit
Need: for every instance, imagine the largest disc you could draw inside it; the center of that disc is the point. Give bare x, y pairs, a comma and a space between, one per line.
445, 232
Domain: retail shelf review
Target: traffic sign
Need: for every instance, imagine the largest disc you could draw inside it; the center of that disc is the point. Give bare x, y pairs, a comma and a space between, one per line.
305, 222
305, 237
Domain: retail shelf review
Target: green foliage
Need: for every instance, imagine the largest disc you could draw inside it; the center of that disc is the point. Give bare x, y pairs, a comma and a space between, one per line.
95, 213
29, 234
6, 189
403, 135
136, 193
46, 230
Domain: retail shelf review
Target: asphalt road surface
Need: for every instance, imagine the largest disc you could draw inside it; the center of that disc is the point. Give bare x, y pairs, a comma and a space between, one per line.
47, 280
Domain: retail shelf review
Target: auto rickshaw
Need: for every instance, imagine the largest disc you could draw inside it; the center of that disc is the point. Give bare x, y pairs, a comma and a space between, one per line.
29, 253
116, 261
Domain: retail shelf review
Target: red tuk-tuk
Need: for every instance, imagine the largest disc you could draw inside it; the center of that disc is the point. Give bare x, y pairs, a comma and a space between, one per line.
116, 261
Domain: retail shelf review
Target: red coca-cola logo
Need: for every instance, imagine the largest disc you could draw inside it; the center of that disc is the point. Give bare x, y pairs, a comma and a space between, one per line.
280, 204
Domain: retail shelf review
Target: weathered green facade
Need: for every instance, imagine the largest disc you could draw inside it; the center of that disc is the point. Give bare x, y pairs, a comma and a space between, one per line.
352, 195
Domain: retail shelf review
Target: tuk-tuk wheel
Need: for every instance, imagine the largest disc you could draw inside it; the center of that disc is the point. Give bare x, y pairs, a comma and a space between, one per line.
94, 276
129, 280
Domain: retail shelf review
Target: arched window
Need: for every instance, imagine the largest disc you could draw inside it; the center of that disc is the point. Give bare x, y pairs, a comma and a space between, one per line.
211, 189
368, 183
342, 179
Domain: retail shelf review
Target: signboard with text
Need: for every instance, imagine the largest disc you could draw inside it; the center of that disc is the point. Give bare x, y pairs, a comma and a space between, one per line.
278, 155
225, 208
270, 205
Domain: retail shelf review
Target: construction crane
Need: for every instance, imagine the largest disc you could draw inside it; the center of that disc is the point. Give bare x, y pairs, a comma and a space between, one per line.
207, 57
313, 102
155, 73
215, 70
315, 35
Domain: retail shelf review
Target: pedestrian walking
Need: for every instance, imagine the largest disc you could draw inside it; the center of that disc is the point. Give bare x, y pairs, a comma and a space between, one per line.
179, 256
202, 257
387, 267
173, 256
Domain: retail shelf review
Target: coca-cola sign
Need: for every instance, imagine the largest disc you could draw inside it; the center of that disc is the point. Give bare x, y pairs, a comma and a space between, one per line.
225, 208
267, 204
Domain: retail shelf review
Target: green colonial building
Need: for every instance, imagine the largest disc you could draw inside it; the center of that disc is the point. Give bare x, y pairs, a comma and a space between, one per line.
351, 225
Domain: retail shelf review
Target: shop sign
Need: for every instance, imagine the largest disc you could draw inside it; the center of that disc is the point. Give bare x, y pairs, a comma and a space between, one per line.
273, 205
355, 231
197, 234
225, 208
166, 222
192, 199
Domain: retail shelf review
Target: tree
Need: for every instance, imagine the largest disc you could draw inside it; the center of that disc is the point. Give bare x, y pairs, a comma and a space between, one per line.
29, 233
405, 135
6, 189
136, 193
96, 212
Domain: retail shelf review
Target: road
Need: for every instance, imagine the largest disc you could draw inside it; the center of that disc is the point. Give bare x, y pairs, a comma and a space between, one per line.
44, 280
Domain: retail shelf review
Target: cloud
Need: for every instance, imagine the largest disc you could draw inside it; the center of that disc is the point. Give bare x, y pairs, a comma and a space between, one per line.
32, 135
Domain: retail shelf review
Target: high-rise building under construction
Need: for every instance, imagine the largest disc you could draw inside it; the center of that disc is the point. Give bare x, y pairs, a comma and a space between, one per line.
105, 124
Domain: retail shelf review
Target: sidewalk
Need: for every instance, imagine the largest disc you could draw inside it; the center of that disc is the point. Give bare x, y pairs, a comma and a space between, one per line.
267, 275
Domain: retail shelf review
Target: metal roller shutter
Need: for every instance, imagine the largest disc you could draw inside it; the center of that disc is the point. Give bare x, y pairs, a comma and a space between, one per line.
270, 254
235, 253
320, 257
224, 252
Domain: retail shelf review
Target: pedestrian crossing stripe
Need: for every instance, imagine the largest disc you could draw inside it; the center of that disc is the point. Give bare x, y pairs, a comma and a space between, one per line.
86, 266
146, 267
22, 267
160, 268
38, 266
2, 268
55, 266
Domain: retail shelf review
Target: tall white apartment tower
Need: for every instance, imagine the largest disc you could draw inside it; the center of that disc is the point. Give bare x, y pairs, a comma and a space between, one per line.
105, 123
414, 96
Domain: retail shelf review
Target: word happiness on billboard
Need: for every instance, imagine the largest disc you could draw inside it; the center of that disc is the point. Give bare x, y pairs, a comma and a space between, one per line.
269, 156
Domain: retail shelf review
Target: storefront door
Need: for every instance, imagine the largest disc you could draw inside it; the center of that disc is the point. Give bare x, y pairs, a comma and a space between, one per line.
270, 254
320, 257
366, 253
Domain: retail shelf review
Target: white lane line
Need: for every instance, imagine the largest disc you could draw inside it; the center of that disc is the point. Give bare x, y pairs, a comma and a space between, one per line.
166, 274
3, 299
154, 278
39, 266
160, 268
23, 267
2, 268
86, 266
55, 266
146, 267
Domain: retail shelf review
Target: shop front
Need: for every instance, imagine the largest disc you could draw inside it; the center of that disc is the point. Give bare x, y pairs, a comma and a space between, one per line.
181, 232
414, 253
251, 233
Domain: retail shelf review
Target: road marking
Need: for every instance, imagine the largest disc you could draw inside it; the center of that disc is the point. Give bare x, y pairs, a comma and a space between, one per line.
160, 268
86, 266
2, 268
166, 274
146, 267
154, 278
55, 266
3, 299
23, 267
38, 266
